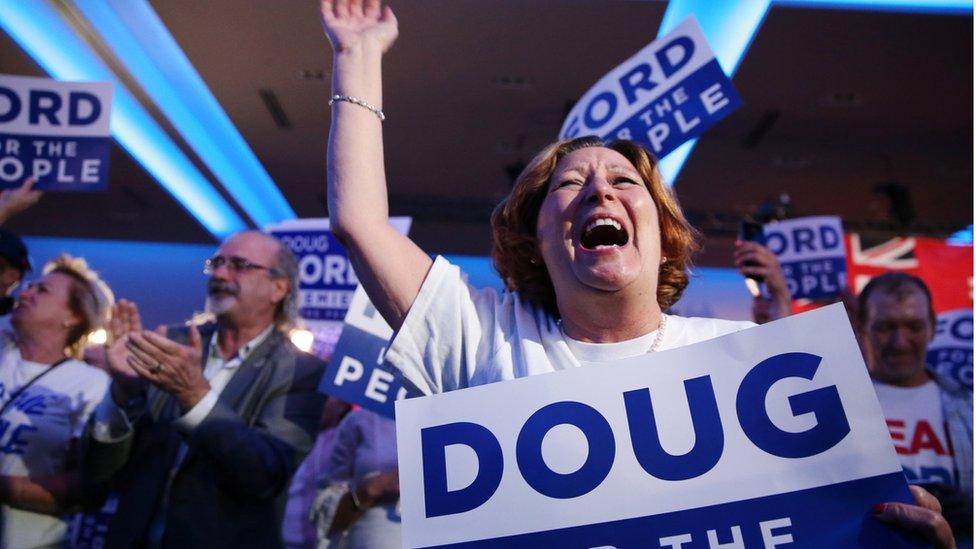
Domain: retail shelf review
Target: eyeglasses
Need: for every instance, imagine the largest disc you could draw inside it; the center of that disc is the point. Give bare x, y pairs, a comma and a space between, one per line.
235, 264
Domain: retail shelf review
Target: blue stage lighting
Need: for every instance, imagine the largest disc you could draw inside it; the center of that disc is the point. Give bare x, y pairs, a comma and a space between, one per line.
729, 26
144, 45
962, 237
48, 39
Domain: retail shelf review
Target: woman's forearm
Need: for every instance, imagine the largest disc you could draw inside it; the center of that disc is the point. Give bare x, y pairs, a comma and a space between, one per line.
356, 175
389, 265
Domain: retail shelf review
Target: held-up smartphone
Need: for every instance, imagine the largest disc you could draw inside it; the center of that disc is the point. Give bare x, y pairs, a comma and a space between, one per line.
751, 231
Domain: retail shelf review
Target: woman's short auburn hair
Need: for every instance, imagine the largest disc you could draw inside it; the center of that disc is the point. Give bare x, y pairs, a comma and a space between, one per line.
515, 250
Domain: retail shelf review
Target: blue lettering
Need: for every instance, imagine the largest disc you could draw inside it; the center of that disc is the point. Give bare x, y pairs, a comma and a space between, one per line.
638, 77
434, 440
709, 435
776, 242
804, 237
606, 97
962, 329
750, 405
76, 100
14, 104
940, 475
16, 444
599, 460
829, 238
44, 103
683, 46
31, 405
573, 129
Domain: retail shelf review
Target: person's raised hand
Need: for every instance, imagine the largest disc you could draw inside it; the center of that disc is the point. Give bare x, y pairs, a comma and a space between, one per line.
126, 381
14, 201
354, 24
754, 259
125, 319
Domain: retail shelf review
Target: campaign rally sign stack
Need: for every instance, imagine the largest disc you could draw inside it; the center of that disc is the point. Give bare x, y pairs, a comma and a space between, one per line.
669, 92
811, 253
56, 132
768, 437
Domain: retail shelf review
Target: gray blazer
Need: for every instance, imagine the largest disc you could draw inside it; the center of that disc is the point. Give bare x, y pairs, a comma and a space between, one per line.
231, 487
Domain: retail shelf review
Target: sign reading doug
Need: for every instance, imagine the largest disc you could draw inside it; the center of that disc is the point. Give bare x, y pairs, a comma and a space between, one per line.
768, 437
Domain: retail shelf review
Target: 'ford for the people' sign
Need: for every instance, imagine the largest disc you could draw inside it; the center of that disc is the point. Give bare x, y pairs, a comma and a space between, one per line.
667, 93
55, 132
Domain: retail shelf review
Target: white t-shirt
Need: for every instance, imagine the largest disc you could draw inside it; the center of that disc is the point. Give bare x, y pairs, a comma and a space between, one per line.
36, 429
457, 336
917, 425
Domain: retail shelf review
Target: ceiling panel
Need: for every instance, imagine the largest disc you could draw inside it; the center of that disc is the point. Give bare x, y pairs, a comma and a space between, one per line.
473, 88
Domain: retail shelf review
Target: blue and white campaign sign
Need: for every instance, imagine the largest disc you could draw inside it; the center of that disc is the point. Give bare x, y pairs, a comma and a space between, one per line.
811, 252
355, 373
669, 92
951, 351
769, 437
56, 132
326, 277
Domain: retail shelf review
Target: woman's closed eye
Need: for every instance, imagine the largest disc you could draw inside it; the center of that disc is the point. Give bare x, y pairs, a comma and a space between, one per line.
568, 183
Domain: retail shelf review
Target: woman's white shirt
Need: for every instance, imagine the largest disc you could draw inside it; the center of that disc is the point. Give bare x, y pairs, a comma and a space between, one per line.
36, 430
456, 336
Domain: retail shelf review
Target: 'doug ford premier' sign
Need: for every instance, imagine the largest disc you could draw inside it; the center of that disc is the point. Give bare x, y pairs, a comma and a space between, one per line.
768, 437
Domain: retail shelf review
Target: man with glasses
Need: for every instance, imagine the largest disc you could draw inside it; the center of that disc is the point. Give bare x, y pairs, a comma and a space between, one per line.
202, 430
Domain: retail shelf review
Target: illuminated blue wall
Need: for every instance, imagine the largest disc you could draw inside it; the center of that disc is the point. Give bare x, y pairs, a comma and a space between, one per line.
167, 282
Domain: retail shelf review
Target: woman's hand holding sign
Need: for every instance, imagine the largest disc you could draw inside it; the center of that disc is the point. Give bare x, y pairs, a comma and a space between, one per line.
924, 519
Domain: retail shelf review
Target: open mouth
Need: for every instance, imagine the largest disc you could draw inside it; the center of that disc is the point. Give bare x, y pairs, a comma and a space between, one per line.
602, 233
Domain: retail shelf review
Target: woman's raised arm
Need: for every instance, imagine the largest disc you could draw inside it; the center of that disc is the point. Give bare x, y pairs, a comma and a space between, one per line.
389, 265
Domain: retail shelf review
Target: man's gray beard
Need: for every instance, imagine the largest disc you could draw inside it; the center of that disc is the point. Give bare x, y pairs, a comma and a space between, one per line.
218, 305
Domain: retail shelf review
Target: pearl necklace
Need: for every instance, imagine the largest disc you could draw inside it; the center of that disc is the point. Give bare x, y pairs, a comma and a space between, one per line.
654, 344
660, 334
